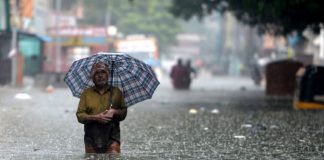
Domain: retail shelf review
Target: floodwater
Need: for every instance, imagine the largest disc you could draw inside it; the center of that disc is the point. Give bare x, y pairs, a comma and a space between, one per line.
219, 118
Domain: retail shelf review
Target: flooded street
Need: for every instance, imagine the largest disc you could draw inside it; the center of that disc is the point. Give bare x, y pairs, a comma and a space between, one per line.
219, 118
234, 54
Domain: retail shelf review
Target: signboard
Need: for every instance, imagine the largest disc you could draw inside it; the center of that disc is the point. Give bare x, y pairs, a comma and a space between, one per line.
146, 45
73, 31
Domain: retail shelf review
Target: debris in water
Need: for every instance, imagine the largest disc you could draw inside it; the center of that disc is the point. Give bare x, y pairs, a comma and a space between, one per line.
193, 111
215, 111
239, 137
22, 96
274, 127
246, 125
49, 89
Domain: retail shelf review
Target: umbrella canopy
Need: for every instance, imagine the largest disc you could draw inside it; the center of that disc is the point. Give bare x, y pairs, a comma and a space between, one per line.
134, 78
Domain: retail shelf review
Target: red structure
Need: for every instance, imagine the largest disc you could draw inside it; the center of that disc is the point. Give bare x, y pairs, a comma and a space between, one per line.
75, 43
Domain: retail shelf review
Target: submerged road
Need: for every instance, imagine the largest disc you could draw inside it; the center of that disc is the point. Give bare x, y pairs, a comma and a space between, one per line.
219, 118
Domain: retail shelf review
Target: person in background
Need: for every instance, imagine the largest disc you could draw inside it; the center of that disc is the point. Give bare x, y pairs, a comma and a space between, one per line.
101, 122
179, 75
190, 75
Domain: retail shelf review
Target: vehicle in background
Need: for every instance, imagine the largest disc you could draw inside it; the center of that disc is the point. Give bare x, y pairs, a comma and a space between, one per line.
309, 91
141, 47
260, 61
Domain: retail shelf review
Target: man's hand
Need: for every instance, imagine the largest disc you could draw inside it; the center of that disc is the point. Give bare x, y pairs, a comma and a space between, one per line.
103, 117
111, 112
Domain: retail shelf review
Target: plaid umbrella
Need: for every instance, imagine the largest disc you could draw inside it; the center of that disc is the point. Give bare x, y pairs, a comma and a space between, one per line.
133, 77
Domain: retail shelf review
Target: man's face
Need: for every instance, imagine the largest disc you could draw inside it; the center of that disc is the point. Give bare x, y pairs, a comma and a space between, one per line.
100, 78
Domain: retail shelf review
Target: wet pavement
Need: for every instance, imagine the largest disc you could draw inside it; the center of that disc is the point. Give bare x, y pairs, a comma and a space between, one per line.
219, 118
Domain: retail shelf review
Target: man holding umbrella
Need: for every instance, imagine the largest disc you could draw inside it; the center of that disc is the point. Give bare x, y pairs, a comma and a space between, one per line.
103, 106
100, 109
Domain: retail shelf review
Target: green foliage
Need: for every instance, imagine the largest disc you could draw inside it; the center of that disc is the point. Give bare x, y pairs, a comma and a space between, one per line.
150, 17
94, 13
274, 16
65, 4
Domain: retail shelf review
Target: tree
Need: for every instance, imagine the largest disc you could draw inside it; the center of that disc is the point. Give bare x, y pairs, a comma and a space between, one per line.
94, 13
150, 17
273, 16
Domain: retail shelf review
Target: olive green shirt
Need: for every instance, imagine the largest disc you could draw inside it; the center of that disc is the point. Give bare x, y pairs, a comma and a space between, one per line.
92, 102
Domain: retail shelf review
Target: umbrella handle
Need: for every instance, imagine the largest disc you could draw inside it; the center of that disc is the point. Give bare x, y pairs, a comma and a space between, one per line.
111, 82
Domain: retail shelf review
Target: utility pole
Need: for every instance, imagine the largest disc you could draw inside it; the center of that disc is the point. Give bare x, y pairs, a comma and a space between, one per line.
14, 37
58, 37
7, 10
13, 54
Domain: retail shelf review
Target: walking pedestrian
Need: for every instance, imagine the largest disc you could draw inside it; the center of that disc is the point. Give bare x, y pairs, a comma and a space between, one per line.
190, 75
179, 75
101, 122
